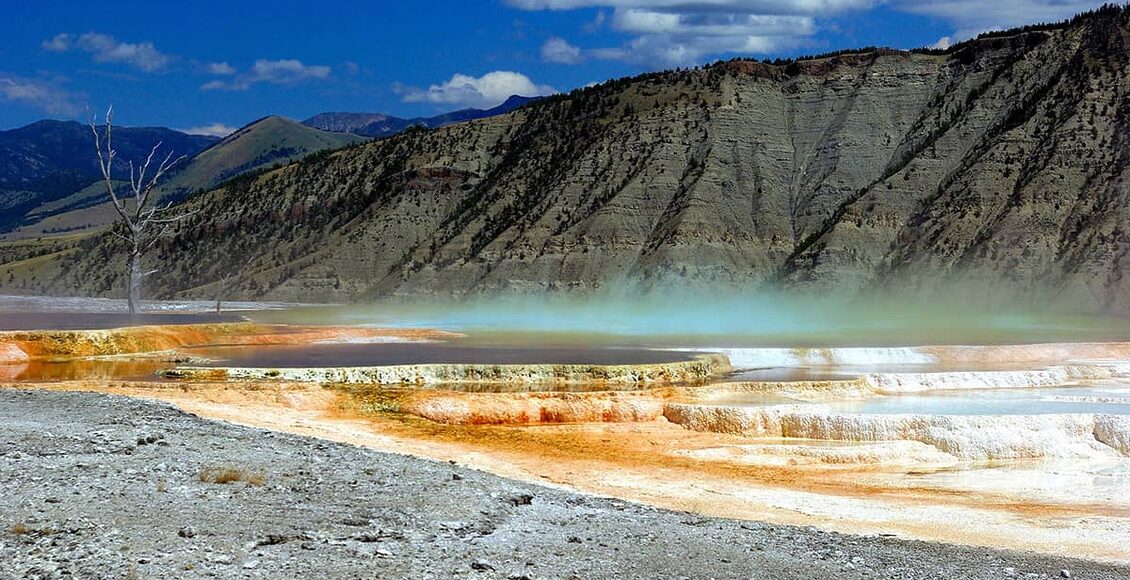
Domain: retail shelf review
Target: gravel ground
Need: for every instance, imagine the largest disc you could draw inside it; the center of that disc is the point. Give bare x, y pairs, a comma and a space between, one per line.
98, 486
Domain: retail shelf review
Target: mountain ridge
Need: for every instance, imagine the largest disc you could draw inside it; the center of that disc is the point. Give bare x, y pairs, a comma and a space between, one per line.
271, 140
378, 125
267, 141
998, 168
48, 160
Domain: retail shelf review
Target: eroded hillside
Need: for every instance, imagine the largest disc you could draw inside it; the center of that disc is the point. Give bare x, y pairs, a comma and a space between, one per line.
996, 167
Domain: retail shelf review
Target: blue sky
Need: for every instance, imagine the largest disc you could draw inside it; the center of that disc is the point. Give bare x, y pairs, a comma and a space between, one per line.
211, 66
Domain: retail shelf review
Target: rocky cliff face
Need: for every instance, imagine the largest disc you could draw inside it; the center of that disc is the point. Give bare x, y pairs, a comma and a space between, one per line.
998, 167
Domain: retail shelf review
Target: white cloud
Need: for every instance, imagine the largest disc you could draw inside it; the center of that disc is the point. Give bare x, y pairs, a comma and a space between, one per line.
277, 72
943, 43
746, 6
105, 48
486, 91
43, 95
220, 68
972, 17
559, 50
60, 43
214, 130
683, 32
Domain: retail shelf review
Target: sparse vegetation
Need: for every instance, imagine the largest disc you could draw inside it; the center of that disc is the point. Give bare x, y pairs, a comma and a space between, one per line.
626, 177
225, 474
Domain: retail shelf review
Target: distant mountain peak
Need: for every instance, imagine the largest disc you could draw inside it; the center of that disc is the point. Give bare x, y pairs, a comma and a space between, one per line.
343, 122
381, 125
515, 101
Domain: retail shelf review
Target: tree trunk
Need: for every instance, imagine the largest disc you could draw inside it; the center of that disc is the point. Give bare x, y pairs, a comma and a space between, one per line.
135, 280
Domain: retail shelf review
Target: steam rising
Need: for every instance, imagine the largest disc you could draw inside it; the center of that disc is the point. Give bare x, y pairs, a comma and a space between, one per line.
687, 318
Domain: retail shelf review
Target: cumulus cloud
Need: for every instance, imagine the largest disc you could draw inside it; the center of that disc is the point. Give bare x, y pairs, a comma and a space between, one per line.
220, 68
683, 32
558, 50
214, 130
106, 48
972, 17
60, 43
486, 91
747, 6
40, 94
276, 72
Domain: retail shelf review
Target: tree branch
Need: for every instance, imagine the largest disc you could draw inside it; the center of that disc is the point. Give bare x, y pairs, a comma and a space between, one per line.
106, 162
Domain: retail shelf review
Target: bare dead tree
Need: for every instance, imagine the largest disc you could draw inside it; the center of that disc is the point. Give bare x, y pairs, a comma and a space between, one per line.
143, 224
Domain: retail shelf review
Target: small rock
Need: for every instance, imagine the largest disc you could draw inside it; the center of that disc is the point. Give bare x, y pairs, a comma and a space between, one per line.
1065, 573
250, 564
52, 499
482, 565
574, 540
186, 532
1010, 571
456, 477
522, 499
272, 540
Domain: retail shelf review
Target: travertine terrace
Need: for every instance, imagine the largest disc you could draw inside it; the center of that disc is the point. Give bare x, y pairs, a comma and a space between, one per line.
659, 432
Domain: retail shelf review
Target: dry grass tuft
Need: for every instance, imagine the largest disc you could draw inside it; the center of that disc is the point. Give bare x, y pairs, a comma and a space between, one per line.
19, 529
223, 474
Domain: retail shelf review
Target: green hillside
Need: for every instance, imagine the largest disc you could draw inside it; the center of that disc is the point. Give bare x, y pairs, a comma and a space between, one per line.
264, 143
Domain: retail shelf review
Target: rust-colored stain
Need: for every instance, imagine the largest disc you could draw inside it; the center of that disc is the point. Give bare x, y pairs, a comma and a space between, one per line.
609, 442
20, 346
585, 455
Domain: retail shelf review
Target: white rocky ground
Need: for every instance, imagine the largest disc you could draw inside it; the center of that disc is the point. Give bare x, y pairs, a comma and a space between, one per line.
111, 305
98, 486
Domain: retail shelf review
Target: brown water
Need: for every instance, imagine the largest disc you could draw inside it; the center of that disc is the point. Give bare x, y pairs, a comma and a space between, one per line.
80, 370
